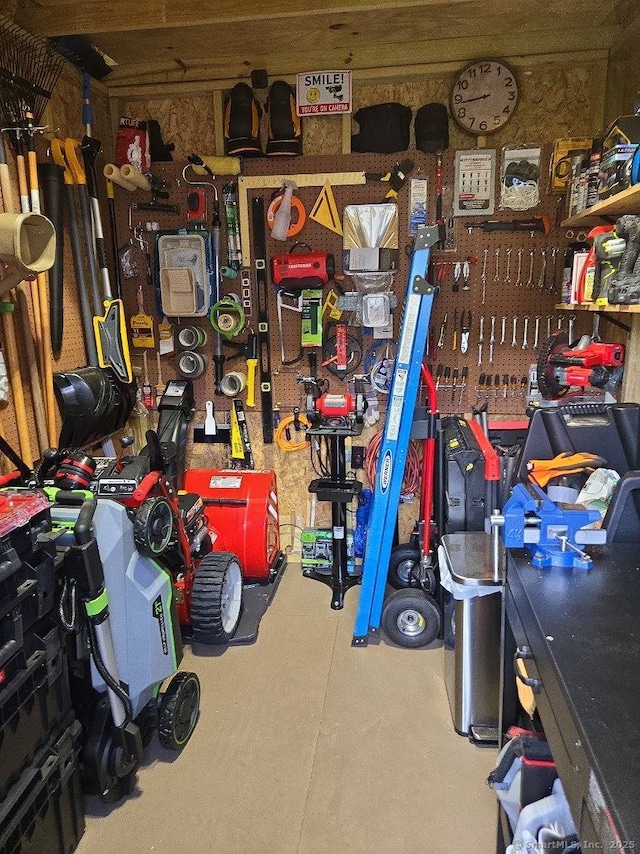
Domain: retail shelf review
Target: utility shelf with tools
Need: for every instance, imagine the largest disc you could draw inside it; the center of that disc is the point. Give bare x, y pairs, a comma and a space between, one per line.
627, 201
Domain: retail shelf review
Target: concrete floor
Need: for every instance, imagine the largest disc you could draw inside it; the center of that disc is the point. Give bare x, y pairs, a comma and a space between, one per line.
307, 745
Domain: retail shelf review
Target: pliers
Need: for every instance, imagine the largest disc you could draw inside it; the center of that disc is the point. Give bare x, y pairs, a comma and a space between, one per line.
465, 328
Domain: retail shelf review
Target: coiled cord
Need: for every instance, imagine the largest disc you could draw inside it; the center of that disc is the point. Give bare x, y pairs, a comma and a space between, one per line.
280, 435
411, 480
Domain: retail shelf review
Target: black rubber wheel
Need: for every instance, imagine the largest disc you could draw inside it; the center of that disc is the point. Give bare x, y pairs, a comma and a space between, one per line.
179, 710
404, 567
216, 598
411, 618
153, 526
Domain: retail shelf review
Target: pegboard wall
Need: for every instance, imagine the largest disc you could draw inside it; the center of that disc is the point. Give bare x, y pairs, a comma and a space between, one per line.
522, 282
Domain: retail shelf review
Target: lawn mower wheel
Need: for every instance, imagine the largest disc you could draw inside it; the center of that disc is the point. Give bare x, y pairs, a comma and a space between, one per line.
179, 710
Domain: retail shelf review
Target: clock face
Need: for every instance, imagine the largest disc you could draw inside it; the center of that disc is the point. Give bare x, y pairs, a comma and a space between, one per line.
484, 97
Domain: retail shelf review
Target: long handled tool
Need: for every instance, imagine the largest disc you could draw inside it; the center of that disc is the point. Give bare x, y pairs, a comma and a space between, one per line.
44, 341
8, 327
86, 310
52, 181
71, 152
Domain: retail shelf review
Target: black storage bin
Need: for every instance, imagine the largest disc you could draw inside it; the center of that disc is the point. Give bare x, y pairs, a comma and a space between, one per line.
34, 700
44, 810
27, 583
613, 431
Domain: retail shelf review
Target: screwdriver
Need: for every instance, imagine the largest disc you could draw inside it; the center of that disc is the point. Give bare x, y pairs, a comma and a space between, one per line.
487, 387
523, 386
454, 345
505, 385
496, 385
480, 385
463, 383
447, 376
439, 370
514, 385
454, 384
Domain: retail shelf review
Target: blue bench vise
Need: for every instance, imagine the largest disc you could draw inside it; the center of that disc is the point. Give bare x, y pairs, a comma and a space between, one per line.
550, 531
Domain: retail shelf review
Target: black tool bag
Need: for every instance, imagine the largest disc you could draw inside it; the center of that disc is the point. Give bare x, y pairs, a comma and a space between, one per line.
384, 128
242, 123
285, 130
159, 149
432, 128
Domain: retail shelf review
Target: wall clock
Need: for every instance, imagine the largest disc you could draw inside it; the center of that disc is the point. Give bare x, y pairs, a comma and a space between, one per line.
484, 96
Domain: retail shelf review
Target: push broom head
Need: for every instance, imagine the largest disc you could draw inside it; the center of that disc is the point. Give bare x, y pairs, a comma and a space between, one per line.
29, 71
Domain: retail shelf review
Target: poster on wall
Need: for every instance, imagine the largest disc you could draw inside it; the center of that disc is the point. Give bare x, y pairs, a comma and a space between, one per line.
475, 182
323, 93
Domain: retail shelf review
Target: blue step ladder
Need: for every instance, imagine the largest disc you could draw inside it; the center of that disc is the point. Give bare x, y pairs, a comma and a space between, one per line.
396, 436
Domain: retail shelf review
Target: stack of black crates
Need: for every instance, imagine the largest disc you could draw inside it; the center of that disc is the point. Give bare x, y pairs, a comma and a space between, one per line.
41, 802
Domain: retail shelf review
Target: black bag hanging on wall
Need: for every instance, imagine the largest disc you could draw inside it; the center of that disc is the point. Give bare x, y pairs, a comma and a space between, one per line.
285, 130
432, 128
384, 128
242, 123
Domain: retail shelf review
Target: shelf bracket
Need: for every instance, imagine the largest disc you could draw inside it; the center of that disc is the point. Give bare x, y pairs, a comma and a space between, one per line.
615, 321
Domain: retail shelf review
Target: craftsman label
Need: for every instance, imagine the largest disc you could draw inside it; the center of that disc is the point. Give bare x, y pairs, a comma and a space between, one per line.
386, 470
158, 614
222, 482
323, 93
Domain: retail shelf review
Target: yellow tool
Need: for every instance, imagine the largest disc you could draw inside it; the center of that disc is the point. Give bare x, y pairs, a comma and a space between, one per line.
325, 210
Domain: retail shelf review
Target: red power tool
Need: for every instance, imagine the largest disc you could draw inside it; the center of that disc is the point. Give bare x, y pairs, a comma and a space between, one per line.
587, 363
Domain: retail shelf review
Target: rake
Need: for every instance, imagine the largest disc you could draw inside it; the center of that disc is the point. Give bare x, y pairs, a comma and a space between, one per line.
29, 71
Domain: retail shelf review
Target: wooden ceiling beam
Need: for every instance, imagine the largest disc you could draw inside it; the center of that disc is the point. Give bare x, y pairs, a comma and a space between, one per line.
105, 16
294, 57
134, 89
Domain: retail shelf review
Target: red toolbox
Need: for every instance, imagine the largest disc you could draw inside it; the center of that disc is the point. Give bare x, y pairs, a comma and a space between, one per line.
242, 507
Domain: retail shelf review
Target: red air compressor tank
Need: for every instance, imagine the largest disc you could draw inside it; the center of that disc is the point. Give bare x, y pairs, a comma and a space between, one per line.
243, 508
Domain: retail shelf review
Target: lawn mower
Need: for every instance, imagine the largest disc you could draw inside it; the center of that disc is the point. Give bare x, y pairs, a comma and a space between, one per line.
124, 643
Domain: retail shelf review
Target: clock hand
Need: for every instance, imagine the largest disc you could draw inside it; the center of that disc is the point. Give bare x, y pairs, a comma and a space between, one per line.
479, 98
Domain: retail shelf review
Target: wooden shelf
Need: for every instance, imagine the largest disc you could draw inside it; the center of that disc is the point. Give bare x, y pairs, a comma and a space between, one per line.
626, 202
607, 309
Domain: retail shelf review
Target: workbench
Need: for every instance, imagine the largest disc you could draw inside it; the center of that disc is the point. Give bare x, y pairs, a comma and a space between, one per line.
580, 632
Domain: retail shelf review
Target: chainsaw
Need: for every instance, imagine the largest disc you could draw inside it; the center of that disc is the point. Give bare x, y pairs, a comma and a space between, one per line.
587, 364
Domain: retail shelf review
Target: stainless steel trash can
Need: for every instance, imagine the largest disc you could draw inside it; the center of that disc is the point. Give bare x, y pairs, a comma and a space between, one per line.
472, 614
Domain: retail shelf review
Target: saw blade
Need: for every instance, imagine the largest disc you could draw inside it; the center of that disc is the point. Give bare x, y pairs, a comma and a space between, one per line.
549, 386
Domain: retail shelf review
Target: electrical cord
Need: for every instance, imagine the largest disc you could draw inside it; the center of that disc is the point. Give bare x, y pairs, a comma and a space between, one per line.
280, 435
411, 480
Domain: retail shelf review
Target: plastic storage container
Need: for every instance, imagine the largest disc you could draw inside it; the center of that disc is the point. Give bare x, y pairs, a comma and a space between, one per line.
44, 810
472, 612
33, 702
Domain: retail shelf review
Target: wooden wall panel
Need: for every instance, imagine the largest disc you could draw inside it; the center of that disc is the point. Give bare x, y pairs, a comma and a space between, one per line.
186, 122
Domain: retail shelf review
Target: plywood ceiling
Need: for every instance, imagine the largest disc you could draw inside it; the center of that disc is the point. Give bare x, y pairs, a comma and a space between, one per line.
173, 41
